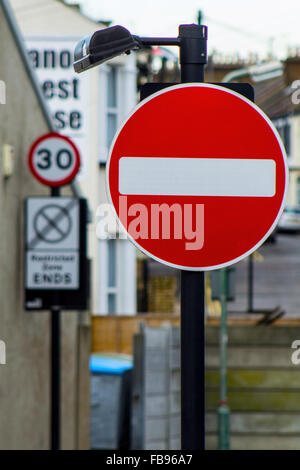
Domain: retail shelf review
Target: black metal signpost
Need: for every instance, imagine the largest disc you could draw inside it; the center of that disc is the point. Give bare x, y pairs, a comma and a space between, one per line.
55, 228
43, 229
50, 297
55, 377
55, 362
193, 58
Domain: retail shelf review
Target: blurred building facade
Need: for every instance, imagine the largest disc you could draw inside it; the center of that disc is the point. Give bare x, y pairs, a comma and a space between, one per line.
89, 108
277, 92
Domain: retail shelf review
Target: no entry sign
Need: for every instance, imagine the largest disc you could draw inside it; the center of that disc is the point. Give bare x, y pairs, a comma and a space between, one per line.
54, 159
197, 176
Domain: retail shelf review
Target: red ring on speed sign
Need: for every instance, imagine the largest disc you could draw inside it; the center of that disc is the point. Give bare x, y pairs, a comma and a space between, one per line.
38, 173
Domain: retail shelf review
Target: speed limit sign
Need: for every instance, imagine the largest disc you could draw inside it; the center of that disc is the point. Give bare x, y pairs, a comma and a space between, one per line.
53, 159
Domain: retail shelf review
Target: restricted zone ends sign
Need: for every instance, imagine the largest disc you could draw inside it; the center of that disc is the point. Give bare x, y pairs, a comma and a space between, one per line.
56, 268
197, 176
54, 159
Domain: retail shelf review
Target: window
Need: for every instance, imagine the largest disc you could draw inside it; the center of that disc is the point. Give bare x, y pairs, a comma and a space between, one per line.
112, 105
112, 87
112, 276
112, 304
286, 137
112, 269
298, 191
117, 277
111, 128
284, 130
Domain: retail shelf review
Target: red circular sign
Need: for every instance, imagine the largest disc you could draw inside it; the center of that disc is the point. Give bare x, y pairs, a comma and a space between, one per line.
197, 176
54, 159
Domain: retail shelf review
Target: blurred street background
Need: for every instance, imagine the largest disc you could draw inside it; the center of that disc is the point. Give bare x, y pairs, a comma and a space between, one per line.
276, 277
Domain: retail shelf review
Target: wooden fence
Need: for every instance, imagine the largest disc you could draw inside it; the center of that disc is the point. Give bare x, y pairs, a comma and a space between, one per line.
114, 333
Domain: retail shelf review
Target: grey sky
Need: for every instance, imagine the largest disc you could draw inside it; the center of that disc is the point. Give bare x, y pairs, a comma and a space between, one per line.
262, 23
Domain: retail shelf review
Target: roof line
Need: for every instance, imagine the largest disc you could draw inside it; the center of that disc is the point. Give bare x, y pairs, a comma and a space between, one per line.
13, 26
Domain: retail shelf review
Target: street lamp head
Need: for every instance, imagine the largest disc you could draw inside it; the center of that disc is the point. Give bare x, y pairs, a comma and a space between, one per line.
103, 45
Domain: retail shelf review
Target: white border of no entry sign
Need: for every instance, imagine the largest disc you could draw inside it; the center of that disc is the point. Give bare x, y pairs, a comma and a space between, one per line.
74, 167
263, 115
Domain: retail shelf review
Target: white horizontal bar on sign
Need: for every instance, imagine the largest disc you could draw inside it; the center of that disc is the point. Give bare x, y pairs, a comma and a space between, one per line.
241, 177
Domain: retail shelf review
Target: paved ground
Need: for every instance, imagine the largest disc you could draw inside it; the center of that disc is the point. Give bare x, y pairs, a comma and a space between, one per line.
276, 277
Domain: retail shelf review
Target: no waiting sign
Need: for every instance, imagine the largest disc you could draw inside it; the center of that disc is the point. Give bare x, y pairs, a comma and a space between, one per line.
56, 267
52, 243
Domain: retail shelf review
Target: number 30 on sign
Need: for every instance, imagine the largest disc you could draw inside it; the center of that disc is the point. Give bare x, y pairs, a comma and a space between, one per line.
54, 159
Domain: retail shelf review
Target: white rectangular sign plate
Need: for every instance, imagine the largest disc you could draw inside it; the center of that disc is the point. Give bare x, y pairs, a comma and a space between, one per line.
239, 177
52, 243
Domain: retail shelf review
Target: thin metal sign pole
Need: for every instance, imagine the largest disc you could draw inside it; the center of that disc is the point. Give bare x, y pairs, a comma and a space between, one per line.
193, 57
55, 363
223, 409
250, 283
